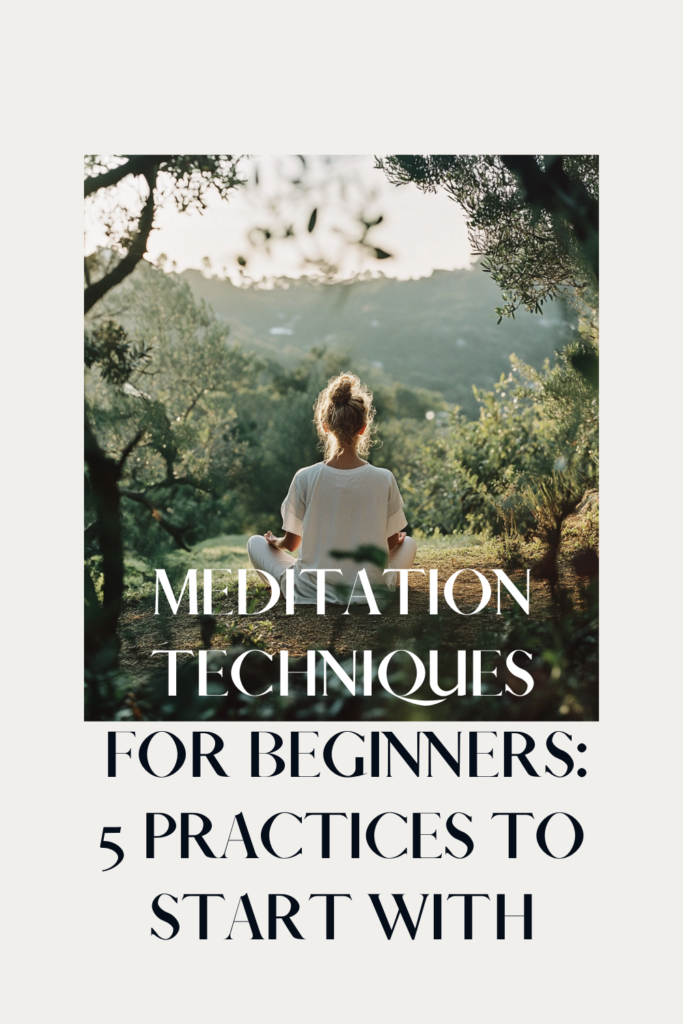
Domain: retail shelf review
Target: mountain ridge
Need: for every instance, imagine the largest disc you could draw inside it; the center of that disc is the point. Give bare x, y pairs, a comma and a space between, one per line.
438, 332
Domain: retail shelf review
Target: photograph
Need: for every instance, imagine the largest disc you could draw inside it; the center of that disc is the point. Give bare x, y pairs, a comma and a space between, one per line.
341, 438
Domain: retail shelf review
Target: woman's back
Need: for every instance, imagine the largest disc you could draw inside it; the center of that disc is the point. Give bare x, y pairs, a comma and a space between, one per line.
340, 509
338, 505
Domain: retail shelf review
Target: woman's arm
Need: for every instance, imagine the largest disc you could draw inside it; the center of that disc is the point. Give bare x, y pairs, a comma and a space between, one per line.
290, 541
394, 541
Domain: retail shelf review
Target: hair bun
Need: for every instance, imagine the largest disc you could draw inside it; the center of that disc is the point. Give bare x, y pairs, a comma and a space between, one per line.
342, 391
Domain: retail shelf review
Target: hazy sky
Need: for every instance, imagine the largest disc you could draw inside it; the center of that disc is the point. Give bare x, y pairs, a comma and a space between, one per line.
422, 232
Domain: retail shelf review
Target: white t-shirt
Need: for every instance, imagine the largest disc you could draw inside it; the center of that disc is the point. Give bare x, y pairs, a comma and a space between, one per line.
338, 510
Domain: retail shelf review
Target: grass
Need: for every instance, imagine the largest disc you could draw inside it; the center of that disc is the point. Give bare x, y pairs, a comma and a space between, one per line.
228, 551
565, 672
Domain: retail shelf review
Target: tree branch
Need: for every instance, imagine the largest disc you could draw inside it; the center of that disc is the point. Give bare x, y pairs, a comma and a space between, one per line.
562, 196
177, 532
194, 402
129, 448
137, 250
177, 481
133, 165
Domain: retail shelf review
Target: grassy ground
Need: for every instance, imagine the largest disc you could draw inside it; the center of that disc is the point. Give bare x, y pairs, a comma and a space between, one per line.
142, 631
561, 631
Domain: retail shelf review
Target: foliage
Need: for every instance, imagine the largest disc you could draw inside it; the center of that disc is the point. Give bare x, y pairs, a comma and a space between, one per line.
186, 179
534, 220
494, 473
365, 553
173, 413
107, 346
212, 434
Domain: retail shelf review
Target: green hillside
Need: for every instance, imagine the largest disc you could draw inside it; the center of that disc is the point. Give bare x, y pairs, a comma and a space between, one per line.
438, 332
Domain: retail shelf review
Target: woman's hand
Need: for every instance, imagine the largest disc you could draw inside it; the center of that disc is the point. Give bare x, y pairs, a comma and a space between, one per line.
290, 541
395, 540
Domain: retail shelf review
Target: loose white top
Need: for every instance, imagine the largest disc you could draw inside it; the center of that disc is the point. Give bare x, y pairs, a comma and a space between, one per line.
338, 510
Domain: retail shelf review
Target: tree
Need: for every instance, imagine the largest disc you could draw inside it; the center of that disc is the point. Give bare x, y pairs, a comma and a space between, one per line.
187, 179
533, 220
144, 444
180, 397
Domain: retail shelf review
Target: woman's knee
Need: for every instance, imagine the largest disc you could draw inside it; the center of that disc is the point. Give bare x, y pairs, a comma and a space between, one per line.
404, 556
409, 547
256, 545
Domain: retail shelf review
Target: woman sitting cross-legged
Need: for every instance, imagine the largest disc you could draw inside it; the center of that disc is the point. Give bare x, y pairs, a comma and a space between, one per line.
338, 505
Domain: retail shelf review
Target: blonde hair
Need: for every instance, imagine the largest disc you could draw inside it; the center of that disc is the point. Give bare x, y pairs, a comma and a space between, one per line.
344, 407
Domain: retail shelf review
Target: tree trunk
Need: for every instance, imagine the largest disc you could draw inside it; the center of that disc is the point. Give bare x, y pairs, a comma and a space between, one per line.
102, 646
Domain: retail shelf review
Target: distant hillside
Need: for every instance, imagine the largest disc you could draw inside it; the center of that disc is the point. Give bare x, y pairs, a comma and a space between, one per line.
438, 332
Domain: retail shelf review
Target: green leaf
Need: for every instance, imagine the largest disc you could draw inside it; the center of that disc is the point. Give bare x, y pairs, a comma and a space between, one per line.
365, 553
313, 218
